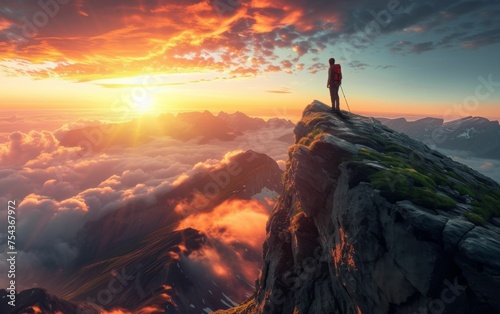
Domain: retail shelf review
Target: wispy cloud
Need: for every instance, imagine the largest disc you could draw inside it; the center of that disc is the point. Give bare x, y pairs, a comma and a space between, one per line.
283, 90
407, 47
358, 65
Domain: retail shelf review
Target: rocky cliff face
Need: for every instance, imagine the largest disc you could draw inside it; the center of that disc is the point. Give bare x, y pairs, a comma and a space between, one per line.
372, 221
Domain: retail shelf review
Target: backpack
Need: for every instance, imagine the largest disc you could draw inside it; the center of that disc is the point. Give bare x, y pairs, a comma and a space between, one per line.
336, 77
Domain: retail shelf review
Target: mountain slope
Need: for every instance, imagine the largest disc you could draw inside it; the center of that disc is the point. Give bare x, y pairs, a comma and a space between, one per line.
240, 178
149, 241
372, 221
38, 301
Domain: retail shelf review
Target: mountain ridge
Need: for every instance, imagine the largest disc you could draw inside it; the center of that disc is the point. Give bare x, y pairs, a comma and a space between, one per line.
372, 221
478, 136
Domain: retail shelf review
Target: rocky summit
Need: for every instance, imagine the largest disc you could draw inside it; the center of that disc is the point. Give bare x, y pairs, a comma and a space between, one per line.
371, 221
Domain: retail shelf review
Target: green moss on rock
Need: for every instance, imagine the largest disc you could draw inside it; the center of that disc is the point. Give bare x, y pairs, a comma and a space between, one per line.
306, 141
406, 184
475, 218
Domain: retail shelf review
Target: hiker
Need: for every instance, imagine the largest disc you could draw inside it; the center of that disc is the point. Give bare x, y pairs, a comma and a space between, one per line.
333, 83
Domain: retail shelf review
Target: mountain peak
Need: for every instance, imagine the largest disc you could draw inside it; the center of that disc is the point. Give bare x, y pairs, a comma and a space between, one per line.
477, 136
430, 119
371, 221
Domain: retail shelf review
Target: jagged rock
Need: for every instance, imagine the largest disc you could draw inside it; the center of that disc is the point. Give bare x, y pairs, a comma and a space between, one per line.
38, 300
371, 221
454, 231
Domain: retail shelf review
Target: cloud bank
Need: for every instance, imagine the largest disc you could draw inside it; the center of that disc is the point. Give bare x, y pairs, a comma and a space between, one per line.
58, 190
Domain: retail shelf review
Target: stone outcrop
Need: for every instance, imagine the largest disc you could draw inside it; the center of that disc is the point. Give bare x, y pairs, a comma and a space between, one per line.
371, 221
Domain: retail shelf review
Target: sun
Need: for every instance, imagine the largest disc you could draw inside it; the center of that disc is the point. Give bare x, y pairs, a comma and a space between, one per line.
144, 105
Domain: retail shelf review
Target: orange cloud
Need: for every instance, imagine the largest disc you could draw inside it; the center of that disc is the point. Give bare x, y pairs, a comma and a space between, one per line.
487, 165
4, 24
224, 222
149, 310
211, 257
23, 147
116, 311
229, 157
90, 40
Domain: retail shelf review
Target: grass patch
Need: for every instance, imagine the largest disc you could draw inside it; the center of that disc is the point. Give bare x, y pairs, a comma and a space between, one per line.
410, 176
419, 179
440, 179
475, 218
393, 148
451, 172
306, 141
387, 160
463, 189
487, 205
407, 184
430, 199
392, 184
486, 202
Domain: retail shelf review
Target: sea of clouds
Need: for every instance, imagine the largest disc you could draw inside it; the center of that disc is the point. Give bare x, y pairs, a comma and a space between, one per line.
57, 190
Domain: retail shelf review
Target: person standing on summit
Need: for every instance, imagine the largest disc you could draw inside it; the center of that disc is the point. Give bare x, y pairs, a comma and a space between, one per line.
333, 83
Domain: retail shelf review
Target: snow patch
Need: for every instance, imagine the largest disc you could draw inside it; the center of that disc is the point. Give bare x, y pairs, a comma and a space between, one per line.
265, 193
468, 133
229, 299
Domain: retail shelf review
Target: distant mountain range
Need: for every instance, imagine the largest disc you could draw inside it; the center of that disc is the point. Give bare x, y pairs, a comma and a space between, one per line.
477, 136
203, 126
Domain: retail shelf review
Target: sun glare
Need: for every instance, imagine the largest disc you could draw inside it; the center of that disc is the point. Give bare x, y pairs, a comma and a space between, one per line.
144, 105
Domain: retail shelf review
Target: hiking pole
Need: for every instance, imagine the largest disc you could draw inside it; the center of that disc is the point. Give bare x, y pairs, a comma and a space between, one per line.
345, 98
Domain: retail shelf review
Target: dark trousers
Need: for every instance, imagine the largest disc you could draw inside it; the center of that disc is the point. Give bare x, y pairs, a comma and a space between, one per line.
334, 94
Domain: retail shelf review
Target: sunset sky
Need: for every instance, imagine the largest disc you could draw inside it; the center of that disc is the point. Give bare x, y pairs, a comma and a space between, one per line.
262, 57
69, 67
